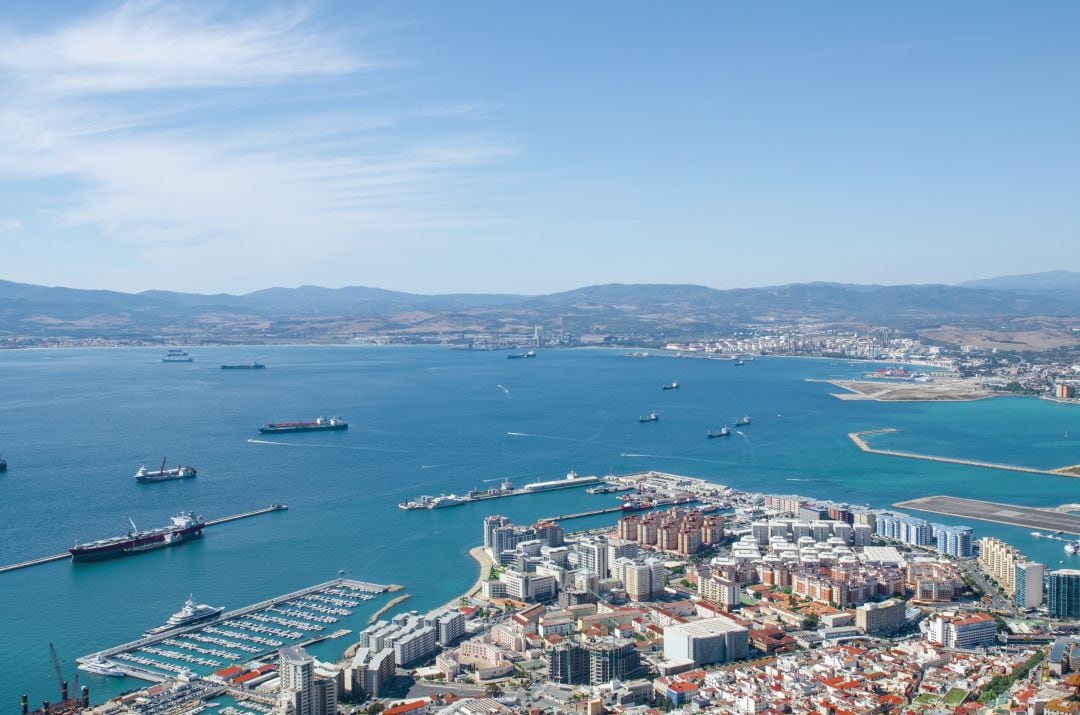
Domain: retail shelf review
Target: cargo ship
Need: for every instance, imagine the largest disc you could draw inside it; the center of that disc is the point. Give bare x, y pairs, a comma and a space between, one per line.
722, 432
189, 615
674, 385
519, 356
161, 474
177, 355
184, 526
651, 417
245, 366
319, 425
743, 422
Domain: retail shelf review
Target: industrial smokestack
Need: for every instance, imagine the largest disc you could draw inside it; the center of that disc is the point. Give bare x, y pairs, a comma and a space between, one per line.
25, 702
45, 707
85, 696
63, 691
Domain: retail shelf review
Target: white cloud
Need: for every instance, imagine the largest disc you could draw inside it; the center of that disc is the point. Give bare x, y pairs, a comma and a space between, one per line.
9, 225
228, 203
152, 46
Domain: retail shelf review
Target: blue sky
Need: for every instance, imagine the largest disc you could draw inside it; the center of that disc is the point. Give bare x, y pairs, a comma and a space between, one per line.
533, 147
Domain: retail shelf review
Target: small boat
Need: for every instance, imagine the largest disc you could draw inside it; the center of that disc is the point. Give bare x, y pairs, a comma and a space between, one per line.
99, 666
743, 422
722, 432
3, 464
245, 366
1073, 548
739, 362
518, 356
652, 417
674, 385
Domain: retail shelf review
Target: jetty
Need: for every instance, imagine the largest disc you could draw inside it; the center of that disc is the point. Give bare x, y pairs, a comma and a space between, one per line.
212, 522
389, 604
859, 439
1045, 519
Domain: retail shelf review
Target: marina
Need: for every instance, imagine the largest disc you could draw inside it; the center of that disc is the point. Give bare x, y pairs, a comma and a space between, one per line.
1011, 514
243, 634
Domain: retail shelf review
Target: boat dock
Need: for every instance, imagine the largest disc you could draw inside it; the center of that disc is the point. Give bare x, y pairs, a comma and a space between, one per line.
658, 504
859, 439
237, 637
1046, 520
212, 522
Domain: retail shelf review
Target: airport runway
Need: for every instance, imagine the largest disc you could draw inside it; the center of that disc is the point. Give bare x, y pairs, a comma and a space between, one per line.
1045, 520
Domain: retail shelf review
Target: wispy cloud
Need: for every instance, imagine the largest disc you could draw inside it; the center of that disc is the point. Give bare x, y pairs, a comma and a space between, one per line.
126, 105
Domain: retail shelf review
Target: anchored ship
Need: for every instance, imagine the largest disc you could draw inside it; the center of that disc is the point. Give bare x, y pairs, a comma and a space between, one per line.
572, 479
189, 615
722, 432
518, 356
673, 385
162, 474
184, 526
245, 366
177, 355
743, 422
319, 425
651, 417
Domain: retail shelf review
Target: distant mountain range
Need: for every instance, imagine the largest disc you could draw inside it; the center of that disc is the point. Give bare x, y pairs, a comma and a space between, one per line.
313, 312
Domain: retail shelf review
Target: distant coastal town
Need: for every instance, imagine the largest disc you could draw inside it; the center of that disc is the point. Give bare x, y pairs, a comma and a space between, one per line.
726, 601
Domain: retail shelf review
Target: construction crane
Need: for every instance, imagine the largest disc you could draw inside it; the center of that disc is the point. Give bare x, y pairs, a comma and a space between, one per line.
59, 675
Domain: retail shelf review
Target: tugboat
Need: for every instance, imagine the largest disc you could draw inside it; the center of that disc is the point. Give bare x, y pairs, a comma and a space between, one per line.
722, 432
743, 422
519, 356
163, 475
177, 355
319, 425
189, 615
651, 417
673, 386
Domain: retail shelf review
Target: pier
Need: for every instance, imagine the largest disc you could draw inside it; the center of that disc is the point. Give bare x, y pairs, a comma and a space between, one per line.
1044, 519
861, 443
141, 643
389, 604
658, 504
212, 522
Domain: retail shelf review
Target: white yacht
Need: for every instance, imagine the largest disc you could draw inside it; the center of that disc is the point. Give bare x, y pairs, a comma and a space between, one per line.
189, 615
100, 666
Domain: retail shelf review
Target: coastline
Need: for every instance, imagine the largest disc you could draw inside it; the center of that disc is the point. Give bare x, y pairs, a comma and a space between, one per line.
480, 555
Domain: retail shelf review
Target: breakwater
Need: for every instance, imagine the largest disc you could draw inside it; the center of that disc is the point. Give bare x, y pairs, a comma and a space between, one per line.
859, 438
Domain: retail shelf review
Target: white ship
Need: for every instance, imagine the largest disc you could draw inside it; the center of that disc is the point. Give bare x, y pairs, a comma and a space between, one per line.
100, 666
1073, 548
571, 480
189, 615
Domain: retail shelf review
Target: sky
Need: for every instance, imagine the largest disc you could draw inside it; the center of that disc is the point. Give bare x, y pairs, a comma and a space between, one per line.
470, 146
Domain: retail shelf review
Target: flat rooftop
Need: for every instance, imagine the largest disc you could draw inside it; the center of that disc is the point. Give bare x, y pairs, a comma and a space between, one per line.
1047, 520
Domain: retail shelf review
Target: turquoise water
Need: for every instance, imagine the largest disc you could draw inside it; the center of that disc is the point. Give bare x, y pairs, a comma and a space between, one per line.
75, 424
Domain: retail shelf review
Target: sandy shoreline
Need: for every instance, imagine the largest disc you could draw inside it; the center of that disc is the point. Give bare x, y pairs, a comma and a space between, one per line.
480, 555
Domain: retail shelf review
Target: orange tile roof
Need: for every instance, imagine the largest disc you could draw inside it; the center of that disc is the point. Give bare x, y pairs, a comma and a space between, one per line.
406, 708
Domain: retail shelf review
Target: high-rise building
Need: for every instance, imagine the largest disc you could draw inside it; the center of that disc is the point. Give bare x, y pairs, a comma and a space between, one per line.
1063, 593
592, 555
954, 541
643, 580
1029, 584
296, 669
490, 524
568, 664
612, 660
998, 559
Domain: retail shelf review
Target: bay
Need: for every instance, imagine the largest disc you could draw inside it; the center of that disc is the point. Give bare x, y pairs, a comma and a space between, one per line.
75, 424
